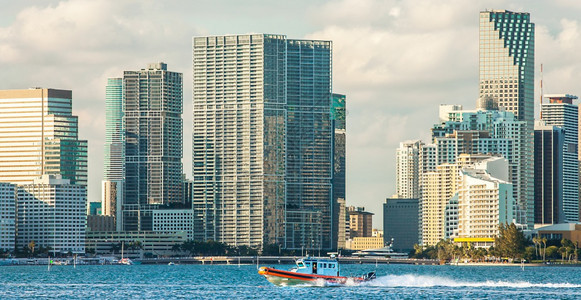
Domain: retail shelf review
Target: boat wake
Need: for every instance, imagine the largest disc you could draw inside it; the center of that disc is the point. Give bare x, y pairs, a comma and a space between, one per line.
410, 280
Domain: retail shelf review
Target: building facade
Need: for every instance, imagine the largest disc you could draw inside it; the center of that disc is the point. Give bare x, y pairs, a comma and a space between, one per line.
262, 141
506, 73
360, 222
39, 133
400, 223
549, 185
560, 111
153, 133
52, 213
7, 216
407, 161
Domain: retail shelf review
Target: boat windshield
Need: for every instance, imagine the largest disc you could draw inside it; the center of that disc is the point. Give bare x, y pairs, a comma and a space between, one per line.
300, 264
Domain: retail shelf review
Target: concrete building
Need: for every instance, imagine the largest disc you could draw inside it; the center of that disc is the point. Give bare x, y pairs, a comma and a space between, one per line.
570, 231
560, 111
364, 243
153, 244
360, 222
263, 141
440, 188
488, 130
506, 74
39, 133
7, 216
112, 193
407, 161
400, 223
549, 182
152, 100
484, 202
52, 213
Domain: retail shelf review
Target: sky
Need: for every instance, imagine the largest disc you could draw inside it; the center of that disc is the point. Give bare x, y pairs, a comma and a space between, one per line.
396, 60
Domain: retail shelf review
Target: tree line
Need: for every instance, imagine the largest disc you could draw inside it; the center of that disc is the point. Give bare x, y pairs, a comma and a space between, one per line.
509, 245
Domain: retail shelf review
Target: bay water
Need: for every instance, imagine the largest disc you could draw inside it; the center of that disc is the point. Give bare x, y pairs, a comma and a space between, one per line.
243, 282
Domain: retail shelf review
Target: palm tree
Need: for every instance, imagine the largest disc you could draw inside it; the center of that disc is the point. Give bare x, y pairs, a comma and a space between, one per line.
544, 240
537, 243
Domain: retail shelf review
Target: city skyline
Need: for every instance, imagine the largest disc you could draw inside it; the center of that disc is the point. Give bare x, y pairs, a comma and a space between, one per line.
392, 91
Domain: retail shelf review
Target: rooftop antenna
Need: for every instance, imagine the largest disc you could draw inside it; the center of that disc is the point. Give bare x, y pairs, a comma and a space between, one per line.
541, 95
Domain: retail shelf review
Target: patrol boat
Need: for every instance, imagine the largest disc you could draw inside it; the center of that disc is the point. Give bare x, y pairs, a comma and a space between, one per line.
312, 270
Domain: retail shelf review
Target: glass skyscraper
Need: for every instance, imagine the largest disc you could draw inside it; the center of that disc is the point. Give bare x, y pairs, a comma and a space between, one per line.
560, 111
507, 49
152, 124
114, 132
262, 141
39, 135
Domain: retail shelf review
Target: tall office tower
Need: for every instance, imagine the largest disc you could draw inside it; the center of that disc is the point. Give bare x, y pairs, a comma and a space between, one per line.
152, 120
400, 223
262, 141
549, 173
407, 162
114, 151
338, 119
427, 164
488, 130
39, 134
507, 57
560, 111
7, 216
52, 213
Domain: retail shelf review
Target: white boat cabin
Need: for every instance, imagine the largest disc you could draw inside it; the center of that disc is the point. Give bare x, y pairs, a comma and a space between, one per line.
319, 266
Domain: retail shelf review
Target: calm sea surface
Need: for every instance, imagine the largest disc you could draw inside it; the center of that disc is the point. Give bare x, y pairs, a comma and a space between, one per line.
243, 282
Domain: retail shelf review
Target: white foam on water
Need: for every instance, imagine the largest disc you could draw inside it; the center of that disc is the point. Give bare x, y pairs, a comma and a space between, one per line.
410, 280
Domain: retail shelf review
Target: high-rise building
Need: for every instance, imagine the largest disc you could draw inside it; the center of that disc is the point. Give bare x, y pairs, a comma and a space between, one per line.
407, 161
507, 49
7, 216
338, 117
400, 223
39, 134
560, 111
488, 130
152, 124
262, 141
549, 173
52, 213
484, 202
114, 154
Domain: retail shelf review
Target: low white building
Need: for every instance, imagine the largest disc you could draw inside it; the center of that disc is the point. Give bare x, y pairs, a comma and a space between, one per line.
7, 216
52, 213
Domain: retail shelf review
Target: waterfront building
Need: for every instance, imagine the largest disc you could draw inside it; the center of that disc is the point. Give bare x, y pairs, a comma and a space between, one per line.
343, 232
364, 243
560, 111
506, 74
549, 181
263, 141
570, 231
440, 187
360, 222
114, 152
152, 244
100, 223
152, 138
400, 223
52, 212
488, 130
485, 200
338, 119
39, 133
7, 216
407, 161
